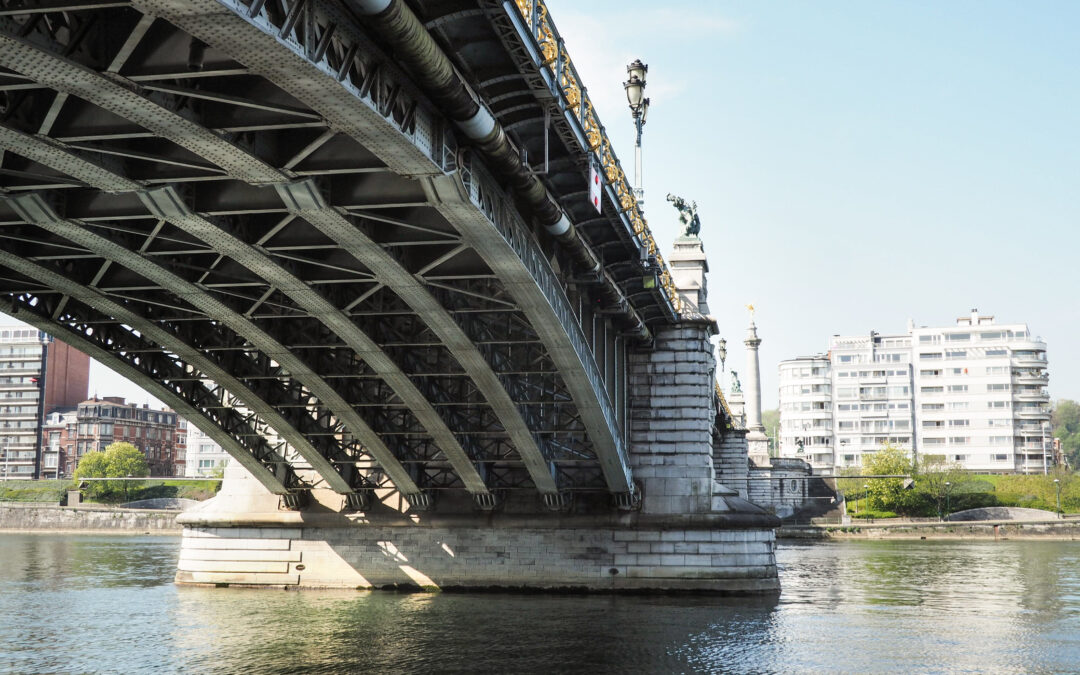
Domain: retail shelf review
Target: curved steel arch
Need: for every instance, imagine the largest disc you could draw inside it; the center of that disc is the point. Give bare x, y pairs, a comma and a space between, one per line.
34, 210
251, 40
304, 200
182, 348
257, 460
166, 204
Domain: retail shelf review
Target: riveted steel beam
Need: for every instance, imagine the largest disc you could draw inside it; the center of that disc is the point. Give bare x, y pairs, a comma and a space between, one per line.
304, 199
251, 452
34, 210
163, 340
165, 203
475, 206
346, 73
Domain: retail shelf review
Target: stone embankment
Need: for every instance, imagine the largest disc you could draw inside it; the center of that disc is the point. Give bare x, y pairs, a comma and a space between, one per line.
24, 517
1050, 530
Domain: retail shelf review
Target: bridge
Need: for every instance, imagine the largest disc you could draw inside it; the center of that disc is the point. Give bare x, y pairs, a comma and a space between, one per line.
351, 241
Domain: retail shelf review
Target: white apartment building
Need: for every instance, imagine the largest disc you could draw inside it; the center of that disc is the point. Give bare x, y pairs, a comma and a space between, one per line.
974, 393
981, 397
806, 410
205, 458
20, 393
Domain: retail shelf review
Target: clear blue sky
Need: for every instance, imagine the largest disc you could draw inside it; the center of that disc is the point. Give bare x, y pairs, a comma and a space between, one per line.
855, 163
858, 163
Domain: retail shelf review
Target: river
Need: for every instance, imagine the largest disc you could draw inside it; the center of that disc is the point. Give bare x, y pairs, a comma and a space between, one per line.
81, 603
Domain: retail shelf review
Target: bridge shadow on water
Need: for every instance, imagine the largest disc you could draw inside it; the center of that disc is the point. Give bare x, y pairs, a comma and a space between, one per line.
321, 631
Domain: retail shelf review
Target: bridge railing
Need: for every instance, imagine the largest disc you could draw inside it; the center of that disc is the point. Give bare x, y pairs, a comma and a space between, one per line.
549, 53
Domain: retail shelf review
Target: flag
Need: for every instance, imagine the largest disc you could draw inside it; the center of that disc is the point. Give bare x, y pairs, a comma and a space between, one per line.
594, 186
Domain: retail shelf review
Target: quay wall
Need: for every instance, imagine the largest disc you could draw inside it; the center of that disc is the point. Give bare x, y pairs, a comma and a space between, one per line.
1056, 530
24, 517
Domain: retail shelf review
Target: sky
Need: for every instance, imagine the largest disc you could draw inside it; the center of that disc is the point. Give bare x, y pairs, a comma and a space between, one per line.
855, 164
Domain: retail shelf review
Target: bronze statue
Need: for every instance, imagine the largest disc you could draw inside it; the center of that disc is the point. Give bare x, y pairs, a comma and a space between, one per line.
687, 215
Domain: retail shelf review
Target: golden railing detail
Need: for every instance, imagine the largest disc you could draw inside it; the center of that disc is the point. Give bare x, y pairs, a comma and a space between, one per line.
555, 57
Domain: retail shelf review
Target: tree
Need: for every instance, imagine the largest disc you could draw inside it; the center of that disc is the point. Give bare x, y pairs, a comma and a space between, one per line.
120, 459
888, 494
939, 479
770, 419
1066, 422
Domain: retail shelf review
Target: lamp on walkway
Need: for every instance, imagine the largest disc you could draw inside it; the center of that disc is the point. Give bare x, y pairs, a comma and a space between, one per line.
639, 109
1057, 487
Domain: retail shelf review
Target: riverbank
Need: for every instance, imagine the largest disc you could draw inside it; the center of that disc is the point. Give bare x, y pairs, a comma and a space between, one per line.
1050, 530
86, 519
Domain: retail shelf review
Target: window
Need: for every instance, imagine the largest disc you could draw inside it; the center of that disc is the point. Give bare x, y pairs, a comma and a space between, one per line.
1000, 458
998, 404
959, 440
959, 423
929, 339
958, 405
991, 336
933, 406
996, 352
931, 390
997, 370
930, 373
956, 354
957, 388
958, 337
846, 358
1001, 440
930, 356
932, 424
934, 441
997, 387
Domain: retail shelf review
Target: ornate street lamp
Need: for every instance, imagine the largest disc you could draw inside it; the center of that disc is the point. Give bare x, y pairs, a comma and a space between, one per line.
639, 109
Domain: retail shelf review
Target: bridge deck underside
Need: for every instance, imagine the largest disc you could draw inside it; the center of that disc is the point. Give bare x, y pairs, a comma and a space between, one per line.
370, 358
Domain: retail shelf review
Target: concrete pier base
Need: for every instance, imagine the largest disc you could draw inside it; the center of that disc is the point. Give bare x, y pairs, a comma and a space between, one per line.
242, 537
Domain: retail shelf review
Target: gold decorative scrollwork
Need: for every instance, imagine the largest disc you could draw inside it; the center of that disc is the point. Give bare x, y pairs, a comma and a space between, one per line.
578, 102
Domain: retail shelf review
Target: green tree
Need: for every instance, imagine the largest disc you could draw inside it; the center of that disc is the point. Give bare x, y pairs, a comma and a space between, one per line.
940, 480
1066, 422
120, 459
770, 419
888, 494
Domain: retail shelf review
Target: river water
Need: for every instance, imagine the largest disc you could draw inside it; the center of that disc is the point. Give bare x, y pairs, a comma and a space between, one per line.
82, 603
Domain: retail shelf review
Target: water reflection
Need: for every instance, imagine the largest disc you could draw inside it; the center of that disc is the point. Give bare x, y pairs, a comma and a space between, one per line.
107, 604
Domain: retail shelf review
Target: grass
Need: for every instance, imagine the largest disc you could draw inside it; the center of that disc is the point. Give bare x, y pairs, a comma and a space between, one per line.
52, 491
33, 491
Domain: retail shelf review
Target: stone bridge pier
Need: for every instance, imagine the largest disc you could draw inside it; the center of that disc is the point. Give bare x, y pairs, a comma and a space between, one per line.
690, 529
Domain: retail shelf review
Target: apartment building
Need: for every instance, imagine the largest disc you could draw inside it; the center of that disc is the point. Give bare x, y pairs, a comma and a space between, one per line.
38, 375
973, 393
806, 410
204, 457
980, 395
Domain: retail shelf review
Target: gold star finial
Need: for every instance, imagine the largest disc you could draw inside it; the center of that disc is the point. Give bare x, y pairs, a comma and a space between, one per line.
751, 308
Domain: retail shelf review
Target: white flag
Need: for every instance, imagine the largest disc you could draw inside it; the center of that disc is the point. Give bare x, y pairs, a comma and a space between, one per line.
594, 186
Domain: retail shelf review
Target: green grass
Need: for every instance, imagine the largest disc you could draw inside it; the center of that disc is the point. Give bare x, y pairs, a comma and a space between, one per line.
33, 491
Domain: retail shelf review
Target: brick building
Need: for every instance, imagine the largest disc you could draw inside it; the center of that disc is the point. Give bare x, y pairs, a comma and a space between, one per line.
102, 421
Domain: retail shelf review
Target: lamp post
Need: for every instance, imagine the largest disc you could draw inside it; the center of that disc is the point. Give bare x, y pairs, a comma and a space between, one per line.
1057, 487
948, 502
865, 491
639, 109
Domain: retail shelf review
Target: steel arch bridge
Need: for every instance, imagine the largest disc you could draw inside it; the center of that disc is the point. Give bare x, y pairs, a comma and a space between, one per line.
349, 240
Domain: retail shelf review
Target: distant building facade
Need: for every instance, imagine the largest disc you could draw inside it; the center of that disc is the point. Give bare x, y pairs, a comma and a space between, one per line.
973, 393
204, 457
103, 421
38, 376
